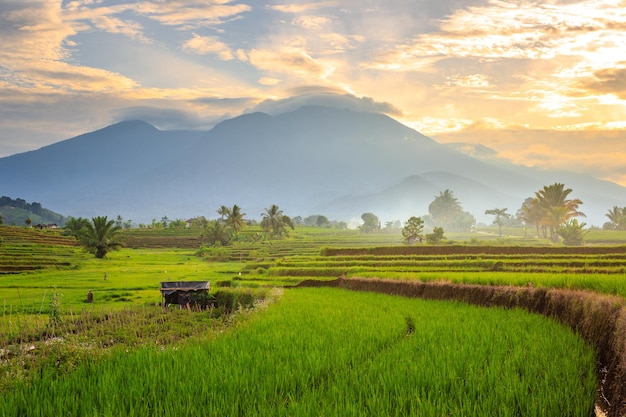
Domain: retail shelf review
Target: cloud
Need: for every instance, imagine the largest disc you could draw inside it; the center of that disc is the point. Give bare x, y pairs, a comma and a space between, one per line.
610, 80
322, 96
54, 77
302, 7
293, 61
118, 26
190, 13
521, 30
33, 30
599, 153
311, 22
199, 114
269, 81
164, 118
469, 81
208, 45
428, 125
36, 50
230, 103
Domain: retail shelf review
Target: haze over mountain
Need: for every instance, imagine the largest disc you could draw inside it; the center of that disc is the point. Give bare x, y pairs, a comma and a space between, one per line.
314, 160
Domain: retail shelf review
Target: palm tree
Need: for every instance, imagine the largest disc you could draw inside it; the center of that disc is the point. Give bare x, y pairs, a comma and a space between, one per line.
100, 236
223, 211
500, 214
557, 208
73, 226
235, 218
617, 216
216, 233
275, 222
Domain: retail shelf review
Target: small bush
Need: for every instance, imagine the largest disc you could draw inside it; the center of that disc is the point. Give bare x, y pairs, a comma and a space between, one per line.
231, 300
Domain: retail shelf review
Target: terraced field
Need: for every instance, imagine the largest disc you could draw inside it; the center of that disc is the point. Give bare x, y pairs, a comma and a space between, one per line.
371, 262
609, 260
26, 249
162, 238
319, 255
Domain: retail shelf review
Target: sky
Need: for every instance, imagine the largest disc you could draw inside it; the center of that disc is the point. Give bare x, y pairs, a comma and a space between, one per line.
541, 83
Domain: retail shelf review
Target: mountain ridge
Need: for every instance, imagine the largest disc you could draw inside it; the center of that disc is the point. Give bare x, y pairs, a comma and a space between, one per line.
313, 160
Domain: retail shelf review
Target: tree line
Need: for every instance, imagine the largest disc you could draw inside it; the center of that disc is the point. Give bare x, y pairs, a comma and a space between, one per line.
20, 203
100, 235
550, 211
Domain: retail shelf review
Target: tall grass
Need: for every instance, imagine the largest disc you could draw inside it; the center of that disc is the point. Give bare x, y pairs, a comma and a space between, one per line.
332, 352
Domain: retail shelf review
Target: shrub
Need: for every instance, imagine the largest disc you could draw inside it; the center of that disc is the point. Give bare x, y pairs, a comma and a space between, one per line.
572, 233
231, 300
215, 253
436, 236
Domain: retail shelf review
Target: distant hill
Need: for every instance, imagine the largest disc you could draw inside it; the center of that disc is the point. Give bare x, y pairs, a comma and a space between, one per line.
314, 160
16, 211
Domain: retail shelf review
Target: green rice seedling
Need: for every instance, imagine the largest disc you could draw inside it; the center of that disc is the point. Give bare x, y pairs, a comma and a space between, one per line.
334, 352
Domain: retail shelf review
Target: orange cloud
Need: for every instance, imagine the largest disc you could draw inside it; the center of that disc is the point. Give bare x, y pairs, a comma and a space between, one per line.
608, 80
302, 7
208, 45
600, 153
287, 61
190, 13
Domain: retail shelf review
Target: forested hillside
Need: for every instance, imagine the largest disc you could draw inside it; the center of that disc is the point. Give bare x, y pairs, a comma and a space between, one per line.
18, 212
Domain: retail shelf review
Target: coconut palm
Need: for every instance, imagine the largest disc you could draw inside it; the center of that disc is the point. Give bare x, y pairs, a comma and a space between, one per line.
500, 214
223, 211
557, 208
275, 222
235, 218
617, 217
100, 236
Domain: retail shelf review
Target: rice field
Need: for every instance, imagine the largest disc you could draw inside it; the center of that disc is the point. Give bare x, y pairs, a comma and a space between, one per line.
332, 352
317, 351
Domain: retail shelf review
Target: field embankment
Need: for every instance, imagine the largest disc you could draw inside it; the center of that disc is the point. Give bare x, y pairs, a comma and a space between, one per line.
599, 319
474, 250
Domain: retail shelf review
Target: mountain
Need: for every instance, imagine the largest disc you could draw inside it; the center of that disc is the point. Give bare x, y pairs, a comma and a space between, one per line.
314, 160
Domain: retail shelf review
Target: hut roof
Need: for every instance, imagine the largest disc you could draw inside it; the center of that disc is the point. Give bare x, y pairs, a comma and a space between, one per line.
168, 288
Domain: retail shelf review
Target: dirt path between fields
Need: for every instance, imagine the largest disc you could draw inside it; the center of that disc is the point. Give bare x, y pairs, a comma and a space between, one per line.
599, 319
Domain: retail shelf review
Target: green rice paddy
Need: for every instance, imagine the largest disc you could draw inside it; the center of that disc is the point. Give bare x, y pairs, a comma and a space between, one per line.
313, 351
331, 352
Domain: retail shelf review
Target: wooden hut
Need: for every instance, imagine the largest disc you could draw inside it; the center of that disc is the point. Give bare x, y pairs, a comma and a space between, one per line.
185, 294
